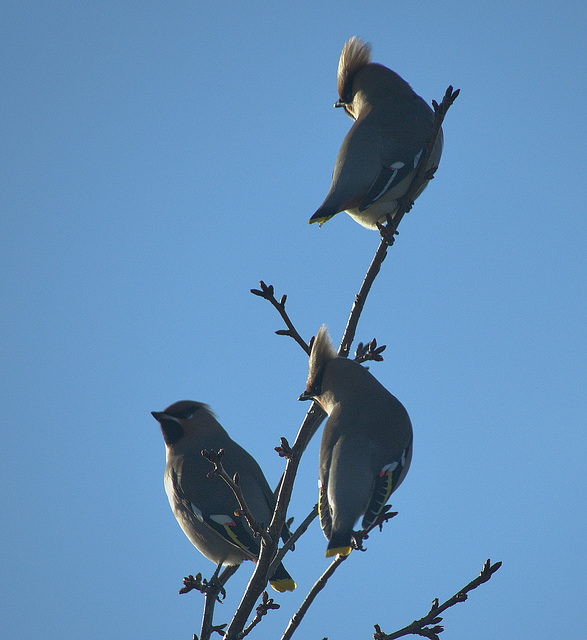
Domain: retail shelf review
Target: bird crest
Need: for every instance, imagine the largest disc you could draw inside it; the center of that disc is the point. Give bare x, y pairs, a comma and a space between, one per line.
355, 54
322, 352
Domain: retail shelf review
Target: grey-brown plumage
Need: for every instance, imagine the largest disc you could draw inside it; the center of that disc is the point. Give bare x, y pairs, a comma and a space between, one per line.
366, 445
378, 157
204, 507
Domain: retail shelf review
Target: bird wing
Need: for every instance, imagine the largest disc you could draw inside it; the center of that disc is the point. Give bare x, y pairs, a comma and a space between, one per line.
257, 492
386, 482
390, 175
233, 529
326, 447
324, 511
404, 135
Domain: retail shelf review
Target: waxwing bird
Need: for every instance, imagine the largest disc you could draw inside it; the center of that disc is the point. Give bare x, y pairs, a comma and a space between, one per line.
379, 155
204, 507
366, 445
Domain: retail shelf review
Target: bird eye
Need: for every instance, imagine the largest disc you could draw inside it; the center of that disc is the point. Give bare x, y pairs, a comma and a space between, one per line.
316, 388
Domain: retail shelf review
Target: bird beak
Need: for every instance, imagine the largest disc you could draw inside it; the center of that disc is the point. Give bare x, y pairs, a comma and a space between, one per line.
338, 104
158, 415
306, 396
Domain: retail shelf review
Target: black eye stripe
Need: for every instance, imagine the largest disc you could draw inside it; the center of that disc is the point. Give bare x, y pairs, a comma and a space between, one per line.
317, 383
347, 90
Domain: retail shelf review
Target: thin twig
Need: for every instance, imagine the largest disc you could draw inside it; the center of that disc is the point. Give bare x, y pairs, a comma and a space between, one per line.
223, 578
423, 174
315, 414
293, 539
420, 627
266, 605
358, 538
215, 457
267, 292
314, 591
211, 589
387, 232
259, 578
321, 582
369, 351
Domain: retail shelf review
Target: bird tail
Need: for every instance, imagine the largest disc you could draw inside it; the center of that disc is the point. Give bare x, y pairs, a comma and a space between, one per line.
339, 544
281, 580
321, 217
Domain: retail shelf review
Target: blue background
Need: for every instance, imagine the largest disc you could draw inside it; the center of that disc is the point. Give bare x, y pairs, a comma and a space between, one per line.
157, 161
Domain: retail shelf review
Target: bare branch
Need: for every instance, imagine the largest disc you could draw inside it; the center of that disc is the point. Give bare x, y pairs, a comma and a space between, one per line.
387, 232
259, 578
267, 292
263, 609
315, 414
423, 174
284, 450
358, 538
369, 351
203, 586
314, 591
421, 627
360, 298
216, 459
212, 589
293, 539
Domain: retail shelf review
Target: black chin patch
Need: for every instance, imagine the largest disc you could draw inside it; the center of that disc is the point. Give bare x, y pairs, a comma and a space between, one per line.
172, 431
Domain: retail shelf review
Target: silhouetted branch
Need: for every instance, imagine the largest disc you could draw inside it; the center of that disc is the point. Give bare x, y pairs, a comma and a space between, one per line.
298, 616
388, 231
421, 627
423, 174
293, 539
380, 520
315, 414
284, 450
212, 589
266, 605
369, 351
267, 292
358, 538
215, 457
259, 578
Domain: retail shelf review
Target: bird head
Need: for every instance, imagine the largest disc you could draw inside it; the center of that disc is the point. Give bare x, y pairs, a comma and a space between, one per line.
322, 353
182, 418
355, 55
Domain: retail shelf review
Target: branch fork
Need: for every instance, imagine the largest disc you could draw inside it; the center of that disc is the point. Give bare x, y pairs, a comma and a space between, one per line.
422, 626
269, 557
267, 292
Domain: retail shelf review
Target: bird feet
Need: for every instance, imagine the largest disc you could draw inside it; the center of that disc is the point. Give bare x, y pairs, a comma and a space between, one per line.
387, 232
380, 520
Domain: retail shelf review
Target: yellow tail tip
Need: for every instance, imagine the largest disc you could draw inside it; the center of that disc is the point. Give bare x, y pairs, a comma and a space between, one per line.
320, 221
338, 551
282, 585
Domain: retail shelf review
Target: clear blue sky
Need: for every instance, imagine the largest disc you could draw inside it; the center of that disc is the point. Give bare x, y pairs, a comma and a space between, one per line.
157, 160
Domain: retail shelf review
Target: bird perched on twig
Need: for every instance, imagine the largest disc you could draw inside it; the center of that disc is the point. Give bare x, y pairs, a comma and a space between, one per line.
204, 506
380, 154
366, 445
